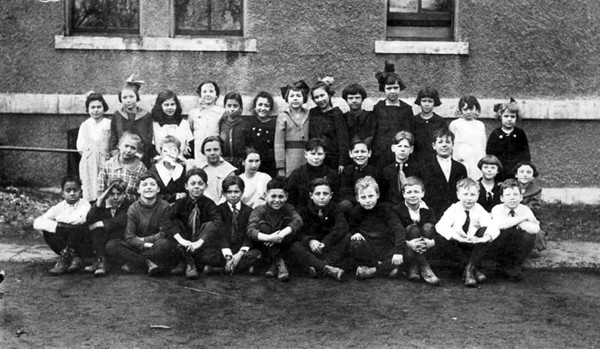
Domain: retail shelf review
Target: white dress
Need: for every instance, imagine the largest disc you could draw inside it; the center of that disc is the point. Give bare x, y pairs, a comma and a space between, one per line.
204, 122
92, 144
255, 189
469, 144
182, 132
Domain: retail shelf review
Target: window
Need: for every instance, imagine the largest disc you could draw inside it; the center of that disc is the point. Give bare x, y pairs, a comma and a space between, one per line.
104, 16
209, 17
422, 20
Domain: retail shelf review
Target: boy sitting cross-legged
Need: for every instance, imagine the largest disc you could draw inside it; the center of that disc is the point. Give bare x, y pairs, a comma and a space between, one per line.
273, 226
378, 241
324, 225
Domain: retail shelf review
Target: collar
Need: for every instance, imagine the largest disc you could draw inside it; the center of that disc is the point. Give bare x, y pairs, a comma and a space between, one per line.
387, 103
238, 206
444, 160
422, 205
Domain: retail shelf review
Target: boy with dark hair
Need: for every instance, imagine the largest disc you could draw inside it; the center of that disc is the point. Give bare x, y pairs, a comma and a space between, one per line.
361, 123
360, 152
393, 177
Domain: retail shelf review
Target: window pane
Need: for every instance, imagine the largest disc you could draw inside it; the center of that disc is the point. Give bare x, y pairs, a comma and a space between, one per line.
404, 6
105, 15
435, 5
227, 15
192, 14
209, 16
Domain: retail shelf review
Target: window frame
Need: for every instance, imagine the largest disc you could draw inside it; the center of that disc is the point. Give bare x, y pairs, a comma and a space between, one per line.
208, 33
423, 17
71, 30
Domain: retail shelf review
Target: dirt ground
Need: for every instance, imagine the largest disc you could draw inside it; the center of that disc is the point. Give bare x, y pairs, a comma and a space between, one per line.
546, 310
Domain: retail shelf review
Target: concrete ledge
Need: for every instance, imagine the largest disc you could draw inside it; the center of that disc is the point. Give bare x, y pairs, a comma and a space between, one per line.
422, 47
567, 255
24, 253
572, 195
232, 44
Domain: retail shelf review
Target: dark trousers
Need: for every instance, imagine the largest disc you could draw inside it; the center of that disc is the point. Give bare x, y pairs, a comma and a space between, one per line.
275, 251
461, 252
162, 253
76, 237
371, 253
512, 247
302, 255
101, 236
214, 258
415, 232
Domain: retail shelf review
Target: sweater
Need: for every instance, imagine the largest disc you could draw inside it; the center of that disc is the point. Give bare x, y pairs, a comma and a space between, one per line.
274, 219
380, 227
143, 222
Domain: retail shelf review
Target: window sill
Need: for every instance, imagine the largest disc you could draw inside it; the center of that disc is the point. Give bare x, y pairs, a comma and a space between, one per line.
62, 42
422, 47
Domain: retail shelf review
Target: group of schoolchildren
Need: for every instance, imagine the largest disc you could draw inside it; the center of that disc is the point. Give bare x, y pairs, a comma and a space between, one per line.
330, 193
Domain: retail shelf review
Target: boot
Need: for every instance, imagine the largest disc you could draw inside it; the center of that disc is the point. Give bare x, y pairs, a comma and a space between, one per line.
428, 275
413, 271
100, 268
478, 275
91, 268
153, 269
191, 273
468, 277
282, 272
312, 272
179, 269
272, 271
63, 262
363, 273
335, 272
75, 265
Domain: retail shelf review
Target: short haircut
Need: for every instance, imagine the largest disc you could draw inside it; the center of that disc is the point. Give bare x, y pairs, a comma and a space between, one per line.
509, 184
468, 101
443, 132
206, 82
526, 163
233, 180
117, 183
317, 182
69, 178
314, 143
429, 92
95, 97
325, 86
158, 114
412, 180
250, 150
236, 97
196, 172
393, 79
267, 96
135, 136
490, 160
402, 135
276, 183
511, 106
364, 183
212, 139
358, 140
467, 183
169, 139
146, 175
354, 89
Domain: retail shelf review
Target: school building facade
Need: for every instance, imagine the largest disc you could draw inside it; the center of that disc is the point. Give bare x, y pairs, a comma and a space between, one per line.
545, 54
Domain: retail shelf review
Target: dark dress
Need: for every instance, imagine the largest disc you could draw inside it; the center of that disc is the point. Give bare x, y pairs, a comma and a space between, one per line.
510, 149
390, 120
261, 136
423, 132
331, 127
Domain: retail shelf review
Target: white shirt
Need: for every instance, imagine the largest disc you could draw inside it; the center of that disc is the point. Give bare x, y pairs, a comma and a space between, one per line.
502, 217
455, 217
62, 213
446, 165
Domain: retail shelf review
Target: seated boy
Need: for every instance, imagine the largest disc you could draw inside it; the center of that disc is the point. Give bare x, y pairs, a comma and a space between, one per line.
107, 220
393, 177
125, 165
361, 123
297, 183
144, 244
64, 228
191, 221
169, 170
323, 229
419, 221
273, 226
231, 248
441, 173
378, 241
518, 229
360, 152
467, 230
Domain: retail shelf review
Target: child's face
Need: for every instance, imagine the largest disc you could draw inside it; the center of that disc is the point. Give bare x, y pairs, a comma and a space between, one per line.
413, 194
443, 147
367, 197
262, 107
169, 107
468, 196
208, 94
402, 150
489, 171
128, 148
96, 110
252, 163
360, 154
148, 189
511, 197
195, 186
71, 192
426, 105
524, 174
128, 98
509, 118
232, 107
276, 198
469, 113
115, 197
233, 195
321, 98
354, 102
321, 195
169, 150
295, 99
392, 92
315, 157
212, 151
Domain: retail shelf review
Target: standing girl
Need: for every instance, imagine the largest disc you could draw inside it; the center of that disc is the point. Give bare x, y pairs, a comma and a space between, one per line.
92, 144
167, 121
204, 120
327, 123
426, 122
291, 131
254, 180
233, 128
260, 133
508, 143
469, 136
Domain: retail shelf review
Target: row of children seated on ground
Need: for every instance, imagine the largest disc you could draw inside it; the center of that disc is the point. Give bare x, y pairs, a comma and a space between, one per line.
375, 239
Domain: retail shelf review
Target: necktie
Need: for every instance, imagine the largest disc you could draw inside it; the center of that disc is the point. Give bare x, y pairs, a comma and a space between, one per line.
193, 221
401, 177
234, 225
511, 213
320, 213
465, 226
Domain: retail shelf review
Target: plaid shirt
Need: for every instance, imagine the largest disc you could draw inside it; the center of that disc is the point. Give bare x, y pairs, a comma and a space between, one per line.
113, 168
